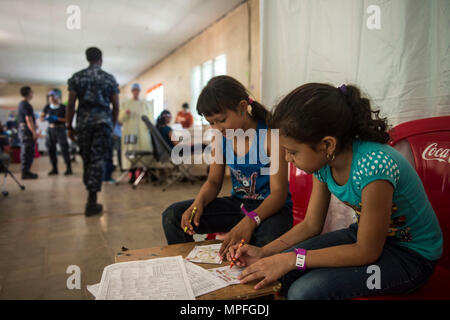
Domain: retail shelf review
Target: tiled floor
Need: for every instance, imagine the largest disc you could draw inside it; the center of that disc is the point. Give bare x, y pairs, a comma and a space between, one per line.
43, 230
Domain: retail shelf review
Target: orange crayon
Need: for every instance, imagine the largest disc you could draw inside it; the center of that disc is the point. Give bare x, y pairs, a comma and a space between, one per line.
234, 259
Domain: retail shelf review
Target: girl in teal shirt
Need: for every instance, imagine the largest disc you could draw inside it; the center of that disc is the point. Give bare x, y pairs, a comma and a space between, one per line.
333, 133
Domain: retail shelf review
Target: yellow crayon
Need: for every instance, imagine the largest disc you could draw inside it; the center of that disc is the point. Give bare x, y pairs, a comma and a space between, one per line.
190, 219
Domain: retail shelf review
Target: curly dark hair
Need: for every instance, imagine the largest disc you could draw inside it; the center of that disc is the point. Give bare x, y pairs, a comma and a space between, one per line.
225, 93
161, 121
315, 110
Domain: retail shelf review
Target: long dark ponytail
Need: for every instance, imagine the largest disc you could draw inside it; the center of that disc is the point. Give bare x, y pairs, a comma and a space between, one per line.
315, 110
225, 93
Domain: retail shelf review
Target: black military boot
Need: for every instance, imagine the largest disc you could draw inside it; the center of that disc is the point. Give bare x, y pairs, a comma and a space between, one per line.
68, 170
29, 175
92, 207
53, 172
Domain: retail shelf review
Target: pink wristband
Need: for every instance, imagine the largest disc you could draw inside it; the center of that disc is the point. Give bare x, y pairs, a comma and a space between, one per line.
300, 261
252, 215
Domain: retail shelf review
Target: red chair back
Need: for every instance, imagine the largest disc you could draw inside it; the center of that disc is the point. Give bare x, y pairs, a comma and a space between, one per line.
429, 142
300, 186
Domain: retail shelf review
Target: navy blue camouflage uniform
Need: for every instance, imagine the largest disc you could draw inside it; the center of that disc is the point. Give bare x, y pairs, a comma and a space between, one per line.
56, 134
27, 143
94, 88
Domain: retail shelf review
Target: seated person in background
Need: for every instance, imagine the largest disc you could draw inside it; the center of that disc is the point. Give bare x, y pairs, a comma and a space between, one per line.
12, 122
12, 130
184, 117
162, 124
3, 137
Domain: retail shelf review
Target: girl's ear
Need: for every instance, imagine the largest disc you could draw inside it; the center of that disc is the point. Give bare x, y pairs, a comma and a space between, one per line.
329, 144
242, 108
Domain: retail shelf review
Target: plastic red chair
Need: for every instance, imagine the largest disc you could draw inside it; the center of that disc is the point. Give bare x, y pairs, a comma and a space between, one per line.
300, 186
428, 147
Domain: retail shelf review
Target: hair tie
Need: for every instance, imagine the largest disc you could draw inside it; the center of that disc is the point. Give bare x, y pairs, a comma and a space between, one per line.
343, 89
250, 101
250, 110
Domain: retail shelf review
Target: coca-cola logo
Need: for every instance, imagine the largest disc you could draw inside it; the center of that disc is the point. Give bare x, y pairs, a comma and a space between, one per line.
434, 152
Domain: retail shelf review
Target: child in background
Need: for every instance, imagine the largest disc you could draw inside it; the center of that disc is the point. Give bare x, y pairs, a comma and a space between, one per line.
184, 117
333, 133
225, 104
162, 124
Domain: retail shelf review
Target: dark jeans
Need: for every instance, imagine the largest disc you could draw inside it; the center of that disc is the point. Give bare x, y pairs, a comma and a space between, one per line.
57, 136
401, 271
221, 215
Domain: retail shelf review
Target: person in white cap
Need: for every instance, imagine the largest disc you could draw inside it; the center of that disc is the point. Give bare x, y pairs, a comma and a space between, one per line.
55, 113
130, 116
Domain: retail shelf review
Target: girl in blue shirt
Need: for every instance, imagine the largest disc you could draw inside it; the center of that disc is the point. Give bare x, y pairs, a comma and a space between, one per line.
226, 105
162, 124
333, 133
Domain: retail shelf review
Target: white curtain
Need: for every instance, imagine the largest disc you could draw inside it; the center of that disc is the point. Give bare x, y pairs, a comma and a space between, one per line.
404, 66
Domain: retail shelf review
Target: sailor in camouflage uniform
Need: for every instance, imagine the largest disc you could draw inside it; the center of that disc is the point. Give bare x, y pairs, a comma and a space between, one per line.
55, 113
27, 133
95, 90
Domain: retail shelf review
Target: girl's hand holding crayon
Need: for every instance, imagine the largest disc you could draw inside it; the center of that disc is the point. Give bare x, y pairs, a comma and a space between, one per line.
245, 255
269, 268
243, 230
191, 217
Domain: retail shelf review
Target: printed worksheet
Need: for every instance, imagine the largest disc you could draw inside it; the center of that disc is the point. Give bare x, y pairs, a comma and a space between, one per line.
205, 254
227, 274
154, 279
203, 281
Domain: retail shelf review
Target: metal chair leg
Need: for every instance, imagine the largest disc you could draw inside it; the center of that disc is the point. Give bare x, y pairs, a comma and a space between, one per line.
22, 187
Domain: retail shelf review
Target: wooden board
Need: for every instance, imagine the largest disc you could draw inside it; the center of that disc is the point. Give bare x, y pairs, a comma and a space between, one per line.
233, 292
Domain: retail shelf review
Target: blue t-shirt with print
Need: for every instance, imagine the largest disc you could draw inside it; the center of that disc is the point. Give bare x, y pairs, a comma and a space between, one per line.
249, 173
413, 221
165, 130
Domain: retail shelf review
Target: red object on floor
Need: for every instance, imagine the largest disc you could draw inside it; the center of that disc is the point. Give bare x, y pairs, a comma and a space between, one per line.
300, 186
15, 155
36, 151
429, 142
